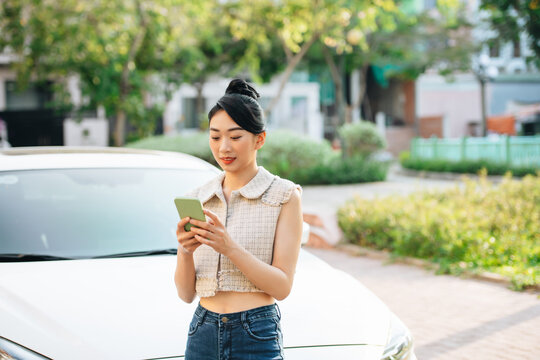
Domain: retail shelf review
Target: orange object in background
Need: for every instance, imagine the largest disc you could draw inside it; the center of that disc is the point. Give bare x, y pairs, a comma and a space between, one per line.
502, 124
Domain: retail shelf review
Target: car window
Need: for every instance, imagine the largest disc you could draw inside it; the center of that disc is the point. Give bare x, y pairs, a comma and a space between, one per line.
92, 212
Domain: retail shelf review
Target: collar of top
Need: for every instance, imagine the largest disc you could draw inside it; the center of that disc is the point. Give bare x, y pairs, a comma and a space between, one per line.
252, 190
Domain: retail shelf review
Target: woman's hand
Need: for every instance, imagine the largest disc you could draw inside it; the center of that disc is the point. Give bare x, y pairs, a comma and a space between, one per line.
213, 234
187, 243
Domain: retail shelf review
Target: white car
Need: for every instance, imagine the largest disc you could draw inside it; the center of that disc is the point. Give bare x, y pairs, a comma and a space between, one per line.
87, 260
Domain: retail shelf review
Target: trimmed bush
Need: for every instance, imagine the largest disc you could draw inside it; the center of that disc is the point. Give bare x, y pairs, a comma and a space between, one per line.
356, 169
193, 144
284, 152
466, 166
360, 138
475, 227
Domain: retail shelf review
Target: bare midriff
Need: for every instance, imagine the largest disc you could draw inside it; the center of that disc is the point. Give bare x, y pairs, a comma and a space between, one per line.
233, 301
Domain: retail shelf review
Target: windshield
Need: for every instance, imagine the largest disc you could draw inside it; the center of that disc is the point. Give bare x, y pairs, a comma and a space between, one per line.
79, 213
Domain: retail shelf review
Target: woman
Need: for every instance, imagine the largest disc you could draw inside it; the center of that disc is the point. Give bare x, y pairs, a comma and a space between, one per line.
244, 256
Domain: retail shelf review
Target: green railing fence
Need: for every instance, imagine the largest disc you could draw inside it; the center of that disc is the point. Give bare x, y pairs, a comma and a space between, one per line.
511, 150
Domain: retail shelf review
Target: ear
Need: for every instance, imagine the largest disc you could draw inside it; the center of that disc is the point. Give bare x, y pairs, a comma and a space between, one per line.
261, 138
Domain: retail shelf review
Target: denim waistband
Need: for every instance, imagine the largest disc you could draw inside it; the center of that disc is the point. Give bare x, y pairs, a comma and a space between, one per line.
241, 316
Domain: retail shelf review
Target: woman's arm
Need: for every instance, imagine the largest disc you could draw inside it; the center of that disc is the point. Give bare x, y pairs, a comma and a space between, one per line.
184, 276
275, 279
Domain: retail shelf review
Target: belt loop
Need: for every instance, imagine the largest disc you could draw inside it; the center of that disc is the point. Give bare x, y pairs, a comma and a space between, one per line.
278, 310
243, 317
203, 314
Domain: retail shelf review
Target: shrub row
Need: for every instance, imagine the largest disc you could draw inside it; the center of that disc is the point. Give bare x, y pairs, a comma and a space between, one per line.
292, 156
465, 166
474, 226
193, 144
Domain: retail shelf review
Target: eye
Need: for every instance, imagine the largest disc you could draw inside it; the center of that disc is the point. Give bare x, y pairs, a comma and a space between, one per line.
236, 138
215, 138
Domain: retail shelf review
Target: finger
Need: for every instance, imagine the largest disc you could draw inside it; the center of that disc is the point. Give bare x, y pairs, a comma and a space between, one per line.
203, 240
202, 224
213, 216
182, 223
184, 236
191, 244
205, 233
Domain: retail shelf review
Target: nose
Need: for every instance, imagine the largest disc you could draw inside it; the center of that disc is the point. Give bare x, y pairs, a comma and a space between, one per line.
225, 146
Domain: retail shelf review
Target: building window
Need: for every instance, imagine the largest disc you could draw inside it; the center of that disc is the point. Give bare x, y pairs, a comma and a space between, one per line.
270, 120
34, 97
191, 119
299, 111
430, 4
494, 49
517, 48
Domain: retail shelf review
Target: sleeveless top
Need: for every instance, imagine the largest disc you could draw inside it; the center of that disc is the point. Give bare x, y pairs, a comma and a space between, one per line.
250, 218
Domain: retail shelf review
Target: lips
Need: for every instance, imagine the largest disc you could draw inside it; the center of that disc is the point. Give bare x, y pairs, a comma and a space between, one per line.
228, 160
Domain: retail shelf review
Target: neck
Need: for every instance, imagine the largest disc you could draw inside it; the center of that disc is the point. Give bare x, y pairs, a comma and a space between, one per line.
236, 180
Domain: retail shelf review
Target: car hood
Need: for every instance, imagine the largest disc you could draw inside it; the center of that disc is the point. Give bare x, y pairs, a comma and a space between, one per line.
128, 308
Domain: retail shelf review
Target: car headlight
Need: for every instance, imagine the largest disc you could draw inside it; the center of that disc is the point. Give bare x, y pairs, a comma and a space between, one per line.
400, 342
11, 351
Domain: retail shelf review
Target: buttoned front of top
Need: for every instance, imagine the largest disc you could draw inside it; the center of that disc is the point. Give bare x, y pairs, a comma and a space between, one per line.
250, 218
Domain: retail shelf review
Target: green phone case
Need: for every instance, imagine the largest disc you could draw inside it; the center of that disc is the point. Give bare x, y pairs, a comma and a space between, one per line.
189, 206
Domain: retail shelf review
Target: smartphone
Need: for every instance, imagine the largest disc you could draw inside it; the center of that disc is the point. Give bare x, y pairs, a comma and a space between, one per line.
189, 206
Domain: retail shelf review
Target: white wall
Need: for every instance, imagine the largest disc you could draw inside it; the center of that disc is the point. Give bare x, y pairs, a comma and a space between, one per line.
89, 132
305, 118
458, 102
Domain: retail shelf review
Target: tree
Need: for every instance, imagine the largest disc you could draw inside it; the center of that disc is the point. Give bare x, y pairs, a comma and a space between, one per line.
407, 43
112, 46
510, 17
297, 24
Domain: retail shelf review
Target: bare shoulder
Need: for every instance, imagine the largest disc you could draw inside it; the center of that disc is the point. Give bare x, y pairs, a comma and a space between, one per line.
295, 198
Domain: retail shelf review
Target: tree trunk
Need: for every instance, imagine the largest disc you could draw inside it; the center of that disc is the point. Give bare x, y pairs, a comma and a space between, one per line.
338, 84
367, 108
291, 65
199, 102
120, 126
357, 102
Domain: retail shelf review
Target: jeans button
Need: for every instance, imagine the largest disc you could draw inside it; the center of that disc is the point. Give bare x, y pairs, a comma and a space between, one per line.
224, 319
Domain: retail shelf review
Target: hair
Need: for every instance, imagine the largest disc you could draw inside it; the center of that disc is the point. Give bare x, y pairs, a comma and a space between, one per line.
240, 102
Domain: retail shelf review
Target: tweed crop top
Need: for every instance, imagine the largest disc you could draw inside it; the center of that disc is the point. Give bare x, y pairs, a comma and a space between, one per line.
250, 218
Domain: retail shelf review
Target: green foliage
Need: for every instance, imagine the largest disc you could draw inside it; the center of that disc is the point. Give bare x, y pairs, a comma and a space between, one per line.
360, 138
509, 19
473, 227
465, 166
285, 151
339, 170
193, 144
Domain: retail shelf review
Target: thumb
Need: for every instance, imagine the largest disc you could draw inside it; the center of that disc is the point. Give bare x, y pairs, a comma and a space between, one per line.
184, 221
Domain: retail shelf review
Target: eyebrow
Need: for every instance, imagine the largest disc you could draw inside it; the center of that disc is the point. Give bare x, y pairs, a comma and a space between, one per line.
231, 129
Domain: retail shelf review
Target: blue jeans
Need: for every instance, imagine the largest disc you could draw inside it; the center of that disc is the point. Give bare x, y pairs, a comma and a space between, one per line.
251, 334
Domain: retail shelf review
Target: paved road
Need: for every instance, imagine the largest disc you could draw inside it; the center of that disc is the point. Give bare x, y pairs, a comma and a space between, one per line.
450, 317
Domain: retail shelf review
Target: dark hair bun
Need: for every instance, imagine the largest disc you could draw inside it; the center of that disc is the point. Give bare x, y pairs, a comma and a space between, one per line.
239, 86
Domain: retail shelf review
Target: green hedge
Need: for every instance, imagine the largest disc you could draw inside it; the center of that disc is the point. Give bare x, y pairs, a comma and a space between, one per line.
475, 227
340, 170
285, 153
193, 144
465, 166
361, 138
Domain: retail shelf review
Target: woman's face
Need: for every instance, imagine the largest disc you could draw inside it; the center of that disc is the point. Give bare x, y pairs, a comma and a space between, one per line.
233, 147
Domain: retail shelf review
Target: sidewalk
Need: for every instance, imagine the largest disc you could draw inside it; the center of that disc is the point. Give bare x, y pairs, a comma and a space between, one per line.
450, 317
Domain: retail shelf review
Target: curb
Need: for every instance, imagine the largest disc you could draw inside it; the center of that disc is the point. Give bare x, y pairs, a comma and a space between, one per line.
448, 175
386, 256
